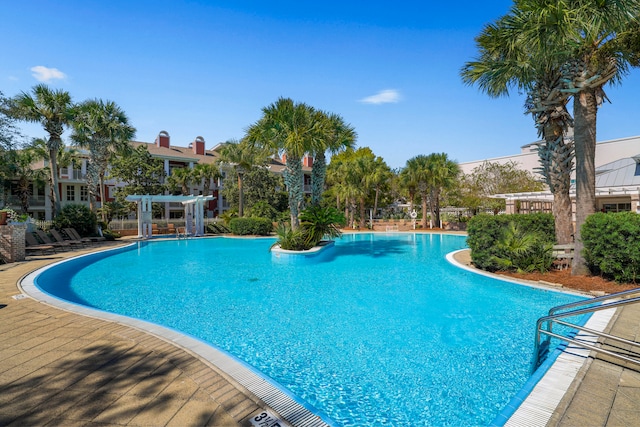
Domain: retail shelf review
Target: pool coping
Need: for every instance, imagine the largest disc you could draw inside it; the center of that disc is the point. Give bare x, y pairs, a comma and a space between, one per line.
537, 400
285, 404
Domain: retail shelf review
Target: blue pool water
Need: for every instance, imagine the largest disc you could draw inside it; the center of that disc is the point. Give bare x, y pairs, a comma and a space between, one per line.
379, 330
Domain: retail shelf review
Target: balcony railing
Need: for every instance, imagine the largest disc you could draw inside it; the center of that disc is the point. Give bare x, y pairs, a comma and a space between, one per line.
74, 174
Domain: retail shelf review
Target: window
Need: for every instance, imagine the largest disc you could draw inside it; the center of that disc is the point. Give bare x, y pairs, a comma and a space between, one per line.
71, 193
84, 194
616, 207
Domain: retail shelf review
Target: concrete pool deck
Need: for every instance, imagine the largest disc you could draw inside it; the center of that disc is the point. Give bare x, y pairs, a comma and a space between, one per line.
62, 368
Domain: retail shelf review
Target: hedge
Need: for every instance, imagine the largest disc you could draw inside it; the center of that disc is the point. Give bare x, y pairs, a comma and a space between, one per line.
611, 246
251, 226
484, 231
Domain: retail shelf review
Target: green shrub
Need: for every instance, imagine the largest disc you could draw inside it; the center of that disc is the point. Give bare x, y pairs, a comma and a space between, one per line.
79, 217
251, 226
110, 234
263, 209
523, 251
485, 231
293, 240
611, 246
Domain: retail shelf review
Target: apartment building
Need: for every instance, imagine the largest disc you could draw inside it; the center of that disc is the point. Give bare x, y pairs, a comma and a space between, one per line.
73, 185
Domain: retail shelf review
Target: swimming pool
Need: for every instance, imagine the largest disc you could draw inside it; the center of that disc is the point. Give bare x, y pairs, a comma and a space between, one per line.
379, 330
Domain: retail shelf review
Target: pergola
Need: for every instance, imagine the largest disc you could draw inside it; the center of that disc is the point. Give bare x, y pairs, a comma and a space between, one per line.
193, 211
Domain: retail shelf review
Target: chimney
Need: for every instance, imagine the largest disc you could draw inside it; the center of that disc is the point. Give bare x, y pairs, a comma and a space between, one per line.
198, 146
163, 139
307, 161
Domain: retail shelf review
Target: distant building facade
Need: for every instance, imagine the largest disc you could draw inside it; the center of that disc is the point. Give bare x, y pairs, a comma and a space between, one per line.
73, 179
617, 178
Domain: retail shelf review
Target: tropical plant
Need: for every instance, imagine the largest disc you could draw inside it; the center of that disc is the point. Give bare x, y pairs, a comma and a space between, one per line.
591, 43
320, 222
20, 167
206, 173
243, 157
54, 110
103, 128
503, 51
293, 129
336, 136
290, 239
181, 178
523, 251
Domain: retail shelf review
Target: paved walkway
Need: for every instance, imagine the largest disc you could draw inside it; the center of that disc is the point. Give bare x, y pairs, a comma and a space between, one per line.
60, 368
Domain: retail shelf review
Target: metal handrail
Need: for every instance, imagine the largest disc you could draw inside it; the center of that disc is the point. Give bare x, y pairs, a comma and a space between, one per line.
593, 300
554, 317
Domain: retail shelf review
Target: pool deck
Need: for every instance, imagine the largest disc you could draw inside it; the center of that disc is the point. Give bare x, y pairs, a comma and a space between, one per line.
62, 368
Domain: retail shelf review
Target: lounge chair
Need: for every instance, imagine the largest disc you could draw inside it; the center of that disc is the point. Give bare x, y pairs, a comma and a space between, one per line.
73, 242
73, 234
33, 245
48, 241
171, 229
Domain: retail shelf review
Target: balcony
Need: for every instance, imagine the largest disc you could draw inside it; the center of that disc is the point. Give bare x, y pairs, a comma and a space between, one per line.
72, 174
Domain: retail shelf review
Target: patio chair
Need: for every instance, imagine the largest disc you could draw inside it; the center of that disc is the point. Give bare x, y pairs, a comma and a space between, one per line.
73, 234
33, 245
48, 241
59, 238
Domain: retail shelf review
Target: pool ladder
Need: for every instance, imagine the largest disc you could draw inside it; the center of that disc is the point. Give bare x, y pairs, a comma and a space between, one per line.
544, 326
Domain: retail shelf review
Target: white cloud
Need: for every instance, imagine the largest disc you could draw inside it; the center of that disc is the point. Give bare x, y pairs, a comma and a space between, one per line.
44, 74
383, 97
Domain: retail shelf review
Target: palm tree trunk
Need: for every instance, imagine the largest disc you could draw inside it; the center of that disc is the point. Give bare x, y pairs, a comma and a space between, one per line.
103, 199
318, 174
585, 109
423, 194
362, 214
240, 196
293, 179
375, 203
53, 157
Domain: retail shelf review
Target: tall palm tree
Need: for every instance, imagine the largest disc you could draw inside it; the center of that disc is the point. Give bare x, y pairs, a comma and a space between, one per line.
53, 109
417, 168
103, 128
508, 60
289, 128
596, 42
442, 174
379, 177
242, 156
336, 136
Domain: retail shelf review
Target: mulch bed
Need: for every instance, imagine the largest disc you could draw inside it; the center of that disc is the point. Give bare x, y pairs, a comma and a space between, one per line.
580, 283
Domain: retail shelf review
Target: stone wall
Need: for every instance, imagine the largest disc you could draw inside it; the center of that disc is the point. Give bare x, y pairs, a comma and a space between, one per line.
12, 242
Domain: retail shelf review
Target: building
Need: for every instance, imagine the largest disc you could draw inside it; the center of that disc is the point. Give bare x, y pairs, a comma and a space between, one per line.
617, 178
73, 179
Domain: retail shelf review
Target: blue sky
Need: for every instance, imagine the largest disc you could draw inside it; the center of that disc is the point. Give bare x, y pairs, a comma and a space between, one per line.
206, 68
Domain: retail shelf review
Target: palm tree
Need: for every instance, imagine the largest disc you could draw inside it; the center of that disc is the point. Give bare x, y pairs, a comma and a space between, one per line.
54, 110
181, 178
595, 42
417, 169
336, 136
206, 172
379, 177
242, 156
20, 163
289, 128
508, 60
103, 128
442, 174
66, 157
